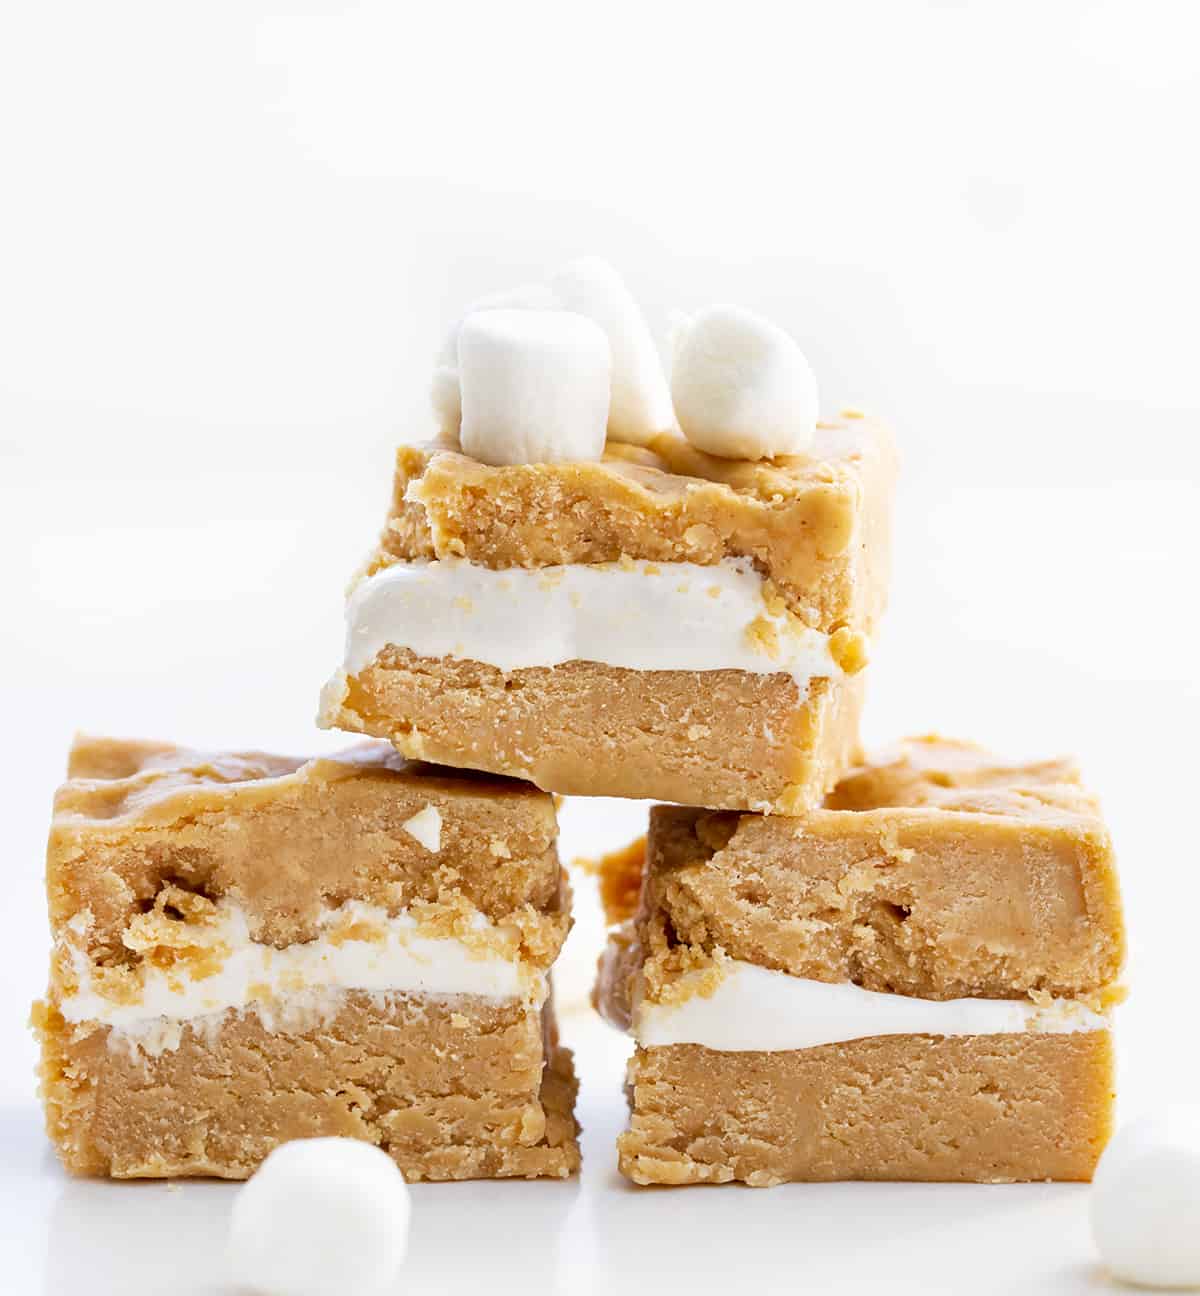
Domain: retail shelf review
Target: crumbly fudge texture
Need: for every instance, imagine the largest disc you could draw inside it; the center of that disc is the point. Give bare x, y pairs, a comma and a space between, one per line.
974, 1108
817, 525
450, 1088
726, 738
954, 875
139, 823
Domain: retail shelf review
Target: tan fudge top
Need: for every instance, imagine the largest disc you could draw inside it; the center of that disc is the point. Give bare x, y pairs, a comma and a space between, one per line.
955, 874
146, 831
816, 525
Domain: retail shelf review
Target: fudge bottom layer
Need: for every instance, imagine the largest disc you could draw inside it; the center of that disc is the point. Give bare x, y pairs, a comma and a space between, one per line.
451, 1087
723, 738
973, 1108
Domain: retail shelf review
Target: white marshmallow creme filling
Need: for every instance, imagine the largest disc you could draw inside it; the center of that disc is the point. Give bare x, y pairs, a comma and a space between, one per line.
638, 615
757, 1009
360, 948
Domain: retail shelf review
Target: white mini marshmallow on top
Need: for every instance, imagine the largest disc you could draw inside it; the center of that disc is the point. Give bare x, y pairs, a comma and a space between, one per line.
535, 387
444, 390
641, 400
1145, 1203
322, 1217
741, 386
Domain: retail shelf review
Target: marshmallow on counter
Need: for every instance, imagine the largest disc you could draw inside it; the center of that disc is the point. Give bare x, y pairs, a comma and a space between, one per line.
535, 387
741, 386
641, 401
1146, 1201
321, 1217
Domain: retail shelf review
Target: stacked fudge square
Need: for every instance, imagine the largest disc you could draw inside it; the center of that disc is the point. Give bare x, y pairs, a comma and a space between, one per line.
911, 982
250, 949
832, 966
658, 624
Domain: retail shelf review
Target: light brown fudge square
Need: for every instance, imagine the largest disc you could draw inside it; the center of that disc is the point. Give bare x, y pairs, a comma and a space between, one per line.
815, 527
954, 875
154, 847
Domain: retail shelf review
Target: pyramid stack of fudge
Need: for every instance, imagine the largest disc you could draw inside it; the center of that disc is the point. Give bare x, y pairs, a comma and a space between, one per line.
594, 582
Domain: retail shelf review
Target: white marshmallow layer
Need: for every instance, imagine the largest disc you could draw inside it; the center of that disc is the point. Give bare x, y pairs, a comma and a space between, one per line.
640, 616
360, 947
761, 1009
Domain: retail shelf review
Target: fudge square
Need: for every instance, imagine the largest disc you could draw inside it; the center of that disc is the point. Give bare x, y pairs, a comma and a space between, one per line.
659, 623
911, 984
250, 949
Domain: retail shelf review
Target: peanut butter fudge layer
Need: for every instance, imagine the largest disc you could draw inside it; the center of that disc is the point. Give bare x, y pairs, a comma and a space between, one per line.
917, 987
971, 1108
251, 948
657, 623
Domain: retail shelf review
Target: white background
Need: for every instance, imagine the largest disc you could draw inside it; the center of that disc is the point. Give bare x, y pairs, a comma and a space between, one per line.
231, 235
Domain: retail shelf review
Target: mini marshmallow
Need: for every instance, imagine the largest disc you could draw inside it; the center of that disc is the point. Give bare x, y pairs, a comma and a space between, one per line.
322, 1217
535, 387
444, 389
641, 402
1146, 1201
741, 386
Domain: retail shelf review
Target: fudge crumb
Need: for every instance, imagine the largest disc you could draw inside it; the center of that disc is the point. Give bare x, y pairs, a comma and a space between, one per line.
699, 536
620, 875
850, 649
763, 636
